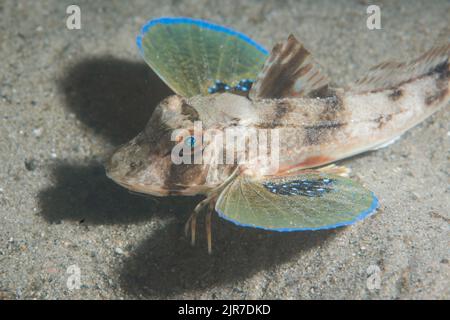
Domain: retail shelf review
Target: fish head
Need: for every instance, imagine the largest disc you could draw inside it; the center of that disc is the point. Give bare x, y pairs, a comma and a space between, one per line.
146, 163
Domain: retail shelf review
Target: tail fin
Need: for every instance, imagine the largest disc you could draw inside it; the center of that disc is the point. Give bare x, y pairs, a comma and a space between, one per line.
390, 75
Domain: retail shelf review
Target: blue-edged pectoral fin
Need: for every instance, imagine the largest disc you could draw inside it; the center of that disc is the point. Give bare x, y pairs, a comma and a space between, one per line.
195, 57
309, 201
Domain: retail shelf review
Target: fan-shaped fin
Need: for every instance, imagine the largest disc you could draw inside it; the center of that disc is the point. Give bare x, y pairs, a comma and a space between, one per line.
190, 55
290, 71
308, 201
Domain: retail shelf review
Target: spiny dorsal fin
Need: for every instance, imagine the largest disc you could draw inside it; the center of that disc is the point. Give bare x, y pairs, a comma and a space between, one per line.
392, 74
290, 71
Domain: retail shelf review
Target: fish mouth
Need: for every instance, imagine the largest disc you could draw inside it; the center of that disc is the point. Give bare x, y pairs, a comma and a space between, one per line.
158, 191
120, 168
148, 174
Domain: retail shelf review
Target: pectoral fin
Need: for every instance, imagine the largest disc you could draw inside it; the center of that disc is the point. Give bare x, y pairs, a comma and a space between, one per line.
309, 201
193, 56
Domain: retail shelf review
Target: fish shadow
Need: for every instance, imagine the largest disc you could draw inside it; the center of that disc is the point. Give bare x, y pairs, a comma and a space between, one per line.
166, 264
115, 98
111, 96
84, 194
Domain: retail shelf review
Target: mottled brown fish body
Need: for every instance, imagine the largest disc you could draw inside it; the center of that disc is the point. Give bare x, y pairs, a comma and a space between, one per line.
313, 131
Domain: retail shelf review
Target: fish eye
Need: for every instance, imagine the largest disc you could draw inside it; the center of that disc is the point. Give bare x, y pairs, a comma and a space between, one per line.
190, 141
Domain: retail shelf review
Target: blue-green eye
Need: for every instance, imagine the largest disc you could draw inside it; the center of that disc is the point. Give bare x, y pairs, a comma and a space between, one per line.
190, 141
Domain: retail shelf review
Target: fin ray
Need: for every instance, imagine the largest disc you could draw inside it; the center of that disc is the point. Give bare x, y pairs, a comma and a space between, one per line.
189, 55
311, 200
290, 71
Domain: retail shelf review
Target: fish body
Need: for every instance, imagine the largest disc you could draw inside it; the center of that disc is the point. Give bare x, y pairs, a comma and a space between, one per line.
313, 131
317, 131
316, 124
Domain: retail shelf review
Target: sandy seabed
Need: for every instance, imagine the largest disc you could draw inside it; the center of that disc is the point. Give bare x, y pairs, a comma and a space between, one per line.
68, 97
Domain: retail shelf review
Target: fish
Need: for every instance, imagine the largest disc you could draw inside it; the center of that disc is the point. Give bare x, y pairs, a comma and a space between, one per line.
280, 103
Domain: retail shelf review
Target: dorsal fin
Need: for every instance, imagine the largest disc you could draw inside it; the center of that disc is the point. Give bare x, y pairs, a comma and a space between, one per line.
290, 71
392, 74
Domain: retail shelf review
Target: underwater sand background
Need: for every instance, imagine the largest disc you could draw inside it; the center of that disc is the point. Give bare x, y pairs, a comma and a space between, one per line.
68, 97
